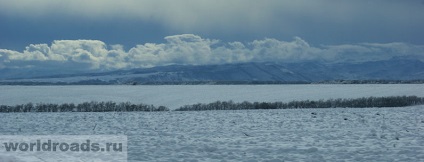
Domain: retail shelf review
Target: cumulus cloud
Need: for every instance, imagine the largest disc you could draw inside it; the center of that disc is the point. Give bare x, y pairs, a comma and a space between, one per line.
189, 49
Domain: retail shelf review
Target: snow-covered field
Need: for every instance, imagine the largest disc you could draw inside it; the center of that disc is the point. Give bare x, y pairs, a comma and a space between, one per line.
174, 96
375, 134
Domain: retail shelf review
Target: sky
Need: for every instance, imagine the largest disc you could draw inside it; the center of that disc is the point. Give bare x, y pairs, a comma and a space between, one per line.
122, 34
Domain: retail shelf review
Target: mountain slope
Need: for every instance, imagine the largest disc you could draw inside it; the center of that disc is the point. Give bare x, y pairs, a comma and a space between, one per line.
394, 69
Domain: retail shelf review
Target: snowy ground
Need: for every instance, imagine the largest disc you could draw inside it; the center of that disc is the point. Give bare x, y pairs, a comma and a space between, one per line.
376, 134
174, 96
385, 134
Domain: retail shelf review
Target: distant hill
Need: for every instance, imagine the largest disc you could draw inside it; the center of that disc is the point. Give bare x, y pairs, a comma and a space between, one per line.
394, 69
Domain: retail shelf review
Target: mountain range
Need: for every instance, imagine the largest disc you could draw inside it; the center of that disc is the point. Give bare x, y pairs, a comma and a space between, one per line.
393, 69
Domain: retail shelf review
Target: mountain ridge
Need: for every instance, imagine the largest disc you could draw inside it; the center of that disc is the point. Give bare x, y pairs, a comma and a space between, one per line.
393, 69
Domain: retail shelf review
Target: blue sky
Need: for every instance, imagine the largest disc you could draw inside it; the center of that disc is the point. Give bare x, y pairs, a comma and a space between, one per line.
116, 34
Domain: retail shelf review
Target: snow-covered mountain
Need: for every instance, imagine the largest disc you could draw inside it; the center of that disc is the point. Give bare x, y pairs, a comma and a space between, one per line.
394, 69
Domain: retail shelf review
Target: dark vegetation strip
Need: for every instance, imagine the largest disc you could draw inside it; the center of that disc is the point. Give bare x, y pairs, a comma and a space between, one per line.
110, 106
92, 106
217, 82
393, 101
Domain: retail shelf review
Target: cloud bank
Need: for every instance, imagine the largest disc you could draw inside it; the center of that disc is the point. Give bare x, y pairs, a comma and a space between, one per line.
363, 20
189, 49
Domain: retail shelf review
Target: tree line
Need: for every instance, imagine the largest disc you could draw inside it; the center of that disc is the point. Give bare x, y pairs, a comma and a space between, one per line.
92, 106
210, 82
370, 82
110, 106
365, 102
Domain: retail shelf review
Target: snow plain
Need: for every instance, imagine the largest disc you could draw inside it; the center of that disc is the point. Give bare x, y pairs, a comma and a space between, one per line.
374, 134
174, 96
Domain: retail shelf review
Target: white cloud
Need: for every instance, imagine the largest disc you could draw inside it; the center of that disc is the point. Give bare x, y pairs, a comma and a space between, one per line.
272, 49
189, 49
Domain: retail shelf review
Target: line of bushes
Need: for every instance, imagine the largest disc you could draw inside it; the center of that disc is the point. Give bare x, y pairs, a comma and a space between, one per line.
110, 106
365, 102
92, 106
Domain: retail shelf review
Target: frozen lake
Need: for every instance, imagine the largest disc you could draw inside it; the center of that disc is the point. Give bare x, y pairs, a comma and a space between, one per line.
174, 96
